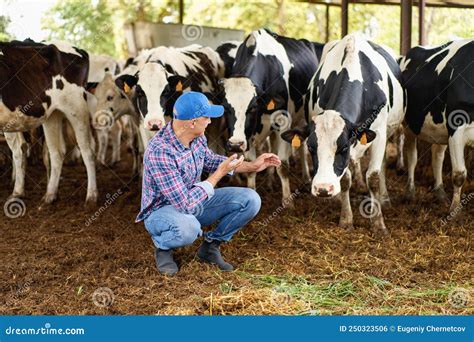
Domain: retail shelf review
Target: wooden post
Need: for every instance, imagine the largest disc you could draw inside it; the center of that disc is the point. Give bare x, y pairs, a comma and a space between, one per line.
327, 23
181, 11
421, 22
405, 27
344, 17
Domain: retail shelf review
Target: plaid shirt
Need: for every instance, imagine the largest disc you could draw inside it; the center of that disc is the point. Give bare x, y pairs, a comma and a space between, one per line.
172, 173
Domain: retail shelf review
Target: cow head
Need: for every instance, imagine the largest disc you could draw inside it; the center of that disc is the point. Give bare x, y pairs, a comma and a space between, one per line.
111, 102
330, 139
244, 104
155, 92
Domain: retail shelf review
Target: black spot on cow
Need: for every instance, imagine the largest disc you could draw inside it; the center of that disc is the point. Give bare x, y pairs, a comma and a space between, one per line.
224, 52
390, 91
59, 84
106, 69
84, 95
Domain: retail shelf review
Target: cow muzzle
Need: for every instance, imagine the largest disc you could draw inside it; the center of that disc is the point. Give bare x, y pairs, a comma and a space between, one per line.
323, 190
154, 125
238, 146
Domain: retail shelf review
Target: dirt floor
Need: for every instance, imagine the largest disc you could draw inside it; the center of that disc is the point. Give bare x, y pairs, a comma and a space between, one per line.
64, 259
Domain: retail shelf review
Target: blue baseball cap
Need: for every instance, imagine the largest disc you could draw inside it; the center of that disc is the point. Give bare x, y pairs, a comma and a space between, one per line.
192, 105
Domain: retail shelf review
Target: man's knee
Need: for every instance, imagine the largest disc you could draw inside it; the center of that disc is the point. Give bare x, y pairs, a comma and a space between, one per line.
188, 231
253, 201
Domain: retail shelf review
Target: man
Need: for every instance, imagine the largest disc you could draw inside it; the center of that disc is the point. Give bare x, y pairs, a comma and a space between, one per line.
176, 203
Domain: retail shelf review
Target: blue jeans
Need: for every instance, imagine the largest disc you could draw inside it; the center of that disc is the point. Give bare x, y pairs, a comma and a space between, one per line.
233, 207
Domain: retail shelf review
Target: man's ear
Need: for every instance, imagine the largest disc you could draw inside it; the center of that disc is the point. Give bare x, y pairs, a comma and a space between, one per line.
126, 82
178, 83
90, 87
366, 136
296, 136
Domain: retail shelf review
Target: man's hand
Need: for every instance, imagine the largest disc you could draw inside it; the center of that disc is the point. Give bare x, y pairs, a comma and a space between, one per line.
265, 160
228, 165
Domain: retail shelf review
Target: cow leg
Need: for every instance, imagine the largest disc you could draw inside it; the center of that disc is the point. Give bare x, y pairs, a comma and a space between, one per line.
377, 156
16, 142
437, 159
345, 220
54, 137
400, 145
116, 137
251, 176
456, 150
284, 152
103, 139
303, 151
81, 125
412, 158
358, 177
384, 197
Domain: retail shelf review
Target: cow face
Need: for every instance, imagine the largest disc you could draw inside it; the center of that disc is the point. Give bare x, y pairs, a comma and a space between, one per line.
156, 91
244, 104
330, 139
111, 102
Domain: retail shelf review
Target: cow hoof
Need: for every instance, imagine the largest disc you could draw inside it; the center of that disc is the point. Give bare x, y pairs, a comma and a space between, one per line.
440, 195
349, 226
379, 229
288, 203
386, 203
409, 196
91, 199
15, 195
47, 200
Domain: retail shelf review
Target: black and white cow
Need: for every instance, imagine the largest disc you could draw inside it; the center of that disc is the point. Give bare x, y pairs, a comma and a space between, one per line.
168, 73
440, 109
39, 84
355, 102
264, 95
227, 51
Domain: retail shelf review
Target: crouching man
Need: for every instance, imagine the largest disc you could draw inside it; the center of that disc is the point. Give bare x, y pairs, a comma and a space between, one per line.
176, 203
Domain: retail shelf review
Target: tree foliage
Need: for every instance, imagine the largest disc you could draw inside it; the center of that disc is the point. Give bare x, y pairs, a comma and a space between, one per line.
97, 25
4, 22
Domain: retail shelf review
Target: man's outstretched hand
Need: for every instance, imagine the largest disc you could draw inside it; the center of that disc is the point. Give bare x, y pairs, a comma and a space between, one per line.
265, 160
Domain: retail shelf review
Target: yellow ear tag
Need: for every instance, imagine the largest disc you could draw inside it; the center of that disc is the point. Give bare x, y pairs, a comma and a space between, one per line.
179, 86
296, 141
271, 105
363, 139
126, 88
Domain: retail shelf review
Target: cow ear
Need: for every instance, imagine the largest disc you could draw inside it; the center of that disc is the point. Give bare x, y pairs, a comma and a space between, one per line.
178, 83
126, 82
366, 136
275, 102
90, 87
295, 136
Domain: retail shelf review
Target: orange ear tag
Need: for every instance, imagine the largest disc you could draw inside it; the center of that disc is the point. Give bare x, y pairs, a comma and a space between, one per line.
271, 105
296, 141
363, 139
126, 88
179, 86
